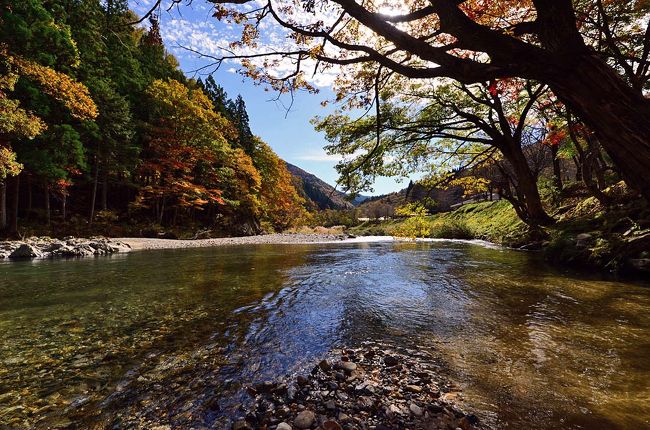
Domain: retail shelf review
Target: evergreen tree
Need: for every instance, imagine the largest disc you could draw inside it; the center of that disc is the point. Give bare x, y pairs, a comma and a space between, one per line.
241, 120
114, 152
217, 96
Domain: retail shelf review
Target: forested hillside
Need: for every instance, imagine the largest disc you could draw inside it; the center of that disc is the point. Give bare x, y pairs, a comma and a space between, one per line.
322, 194
100, 127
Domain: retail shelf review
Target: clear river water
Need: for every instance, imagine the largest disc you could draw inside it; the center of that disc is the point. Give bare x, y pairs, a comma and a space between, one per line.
173, 336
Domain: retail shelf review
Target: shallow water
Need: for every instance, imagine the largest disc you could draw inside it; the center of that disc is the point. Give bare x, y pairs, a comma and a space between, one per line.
171, 336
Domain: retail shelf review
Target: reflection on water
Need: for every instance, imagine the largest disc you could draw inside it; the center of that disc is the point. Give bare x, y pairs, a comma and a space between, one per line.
172, 336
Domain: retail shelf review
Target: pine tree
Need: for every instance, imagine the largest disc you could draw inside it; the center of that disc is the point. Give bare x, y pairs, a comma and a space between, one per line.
240, 116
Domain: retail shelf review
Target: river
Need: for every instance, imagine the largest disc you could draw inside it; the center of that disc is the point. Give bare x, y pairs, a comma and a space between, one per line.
173, 336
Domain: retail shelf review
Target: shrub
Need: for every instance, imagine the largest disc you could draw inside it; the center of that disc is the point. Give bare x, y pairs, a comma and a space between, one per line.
413, 227
450, 229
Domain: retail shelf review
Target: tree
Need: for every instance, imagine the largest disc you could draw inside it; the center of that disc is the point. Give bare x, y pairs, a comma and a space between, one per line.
54, 158
240, 118
447, 131
32, 48
154, 61
184, 156
217, 96
15, 122
594, 56
89, 99
113, 150
281, 205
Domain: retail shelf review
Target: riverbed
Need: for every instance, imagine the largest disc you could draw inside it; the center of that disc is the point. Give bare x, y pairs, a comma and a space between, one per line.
174, 336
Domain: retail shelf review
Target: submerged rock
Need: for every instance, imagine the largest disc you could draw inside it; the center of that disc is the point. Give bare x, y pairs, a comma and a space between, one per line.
373, 387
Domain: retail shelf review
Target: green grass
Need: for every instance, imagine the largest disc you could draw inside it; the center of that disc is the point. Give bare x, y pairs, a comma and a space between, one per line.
615, 234
493, 221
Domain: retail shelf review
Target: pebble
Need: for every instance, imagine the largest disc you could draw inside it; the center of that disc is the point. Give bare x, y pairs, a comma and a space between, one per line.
331, 425
413, 388
415, 410
348, 366
325, 365
384, 389
390, 361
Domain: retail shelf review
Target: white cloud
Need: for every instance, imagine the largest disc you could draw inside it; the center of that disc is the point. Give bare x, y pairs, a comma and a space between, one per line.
320, 156
188, 28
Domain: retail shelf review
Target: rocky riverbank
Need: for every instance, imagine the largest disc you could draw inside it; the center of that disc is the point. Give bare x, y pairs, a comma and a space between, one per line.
373, 387
277, 238
45, 247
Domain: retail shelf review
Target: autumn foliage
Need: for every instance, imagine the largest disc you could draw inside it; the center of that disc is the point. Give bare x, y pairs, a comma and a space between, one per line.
99, 123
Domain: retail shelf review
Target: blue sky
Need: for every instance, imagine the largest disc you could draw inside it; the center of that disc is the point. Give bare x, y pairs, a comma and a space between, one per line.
290, 134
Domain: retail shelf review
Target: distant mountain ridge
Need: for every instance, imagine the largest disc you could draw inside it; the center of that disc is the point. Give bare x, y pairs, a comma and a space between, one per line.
385, 205
322, 194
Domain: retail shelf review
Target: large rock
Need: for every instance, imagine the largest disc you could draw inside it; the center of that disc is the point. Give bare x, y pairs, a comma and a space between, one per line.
54, 246
583, 240
26, 251
304, 420
45, 247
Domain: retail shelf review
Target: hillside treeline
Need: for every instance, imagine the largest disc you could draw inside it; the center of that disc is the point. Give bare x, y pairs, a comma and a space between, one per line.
99, 126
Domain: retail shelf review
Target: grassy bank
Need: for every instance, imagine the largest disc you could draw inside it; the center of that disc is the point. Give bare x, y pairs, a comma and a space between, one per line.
493, 221
615, 238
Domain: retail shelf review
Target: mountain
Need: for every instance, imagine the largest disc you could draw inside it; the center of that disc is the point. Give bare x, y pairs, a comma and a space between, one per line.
382, 206
359, 199
322, 194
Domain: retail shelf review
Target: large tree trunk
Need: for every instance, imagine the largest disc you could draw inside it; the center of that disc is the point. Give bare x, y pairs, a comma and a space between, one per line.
64, 201
557, 169
94, 196
618, 114
3, 205
29, 197
585, 162
105, 190
47, 204
527, 187
12, 218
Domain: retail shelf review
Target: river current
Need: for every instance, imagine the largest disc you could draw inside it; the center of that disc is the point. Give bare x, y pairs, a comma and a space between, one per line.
174, 336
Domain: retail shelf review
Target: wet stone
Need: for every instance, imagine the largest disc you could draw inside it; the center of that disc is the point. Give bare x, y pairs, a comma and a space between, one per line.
348, 366
325, 365
415, 410
413, 388
304, 420
387, 389
331, 425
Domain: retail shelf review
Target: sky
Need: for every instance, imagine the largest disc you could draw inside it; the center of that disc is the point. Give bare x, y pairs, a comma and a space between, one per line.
289, 133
